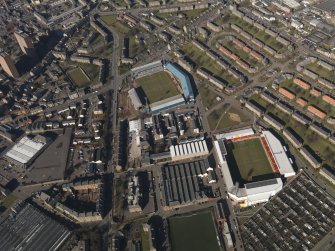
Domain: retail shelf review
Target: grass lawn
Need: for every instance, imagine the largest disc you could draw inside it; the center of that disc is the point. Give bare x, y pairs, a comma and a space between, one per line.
193, 233
157, 86
214, 117
323, 72
78, 77
250, 158
145, 241
232, 118
208, 97
7, 201
202, 60
112, 22
261, 35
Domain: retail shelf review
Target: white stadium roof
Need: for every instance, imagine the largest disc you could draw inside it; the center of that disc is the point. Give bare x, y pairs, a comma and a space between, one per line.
236, 134
25, 149
282, 161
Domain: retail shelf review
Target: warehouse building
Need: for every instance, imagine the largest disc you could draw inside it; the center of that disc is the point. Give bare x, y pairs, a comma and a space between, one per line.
26, 150
189, 150
30, 229
183, 184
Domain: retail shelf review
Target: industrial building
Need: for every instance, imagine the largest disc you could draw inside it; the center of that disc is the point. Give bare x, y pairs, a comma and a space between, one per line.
183, 184
30, 229
189, 150
26, 150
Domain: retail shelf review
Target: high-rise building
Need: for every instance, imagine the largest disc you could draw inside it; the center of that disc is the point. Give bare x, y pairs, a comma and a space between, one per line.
8, 65
25, 43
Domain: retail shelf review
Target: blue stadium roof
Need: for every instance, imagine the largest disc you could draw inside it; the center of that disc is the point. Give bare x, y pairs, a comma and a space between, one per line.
184, 80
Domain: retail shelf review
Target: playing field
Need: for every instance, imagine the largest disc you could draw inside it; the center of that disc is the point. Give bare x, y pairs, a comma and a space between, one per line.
250, 158
157, 86
79, 77
193, 233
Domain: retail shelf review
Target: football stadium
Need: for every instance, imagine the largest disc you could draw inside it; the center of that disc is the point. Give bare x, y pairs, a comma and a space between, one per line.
160, 86
253, 165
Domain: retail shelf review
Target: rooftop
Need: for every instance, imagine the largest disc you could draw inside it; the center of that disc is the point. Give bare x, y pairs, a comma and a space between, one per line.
26, 148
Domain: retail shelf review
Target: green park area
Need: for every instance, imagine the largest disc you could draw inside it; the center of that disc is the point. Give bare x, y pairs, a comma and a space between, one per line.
202, 60
115, 24
157, 87
194, 232
225, 118
7, 201
255, 32
319, 145
249, 157
323, 72
208, 97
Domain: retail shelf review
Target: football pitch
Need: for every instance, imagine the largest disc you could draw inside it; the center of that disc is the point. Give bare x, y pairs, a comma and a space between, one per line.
157, 87
193, 232
250, 158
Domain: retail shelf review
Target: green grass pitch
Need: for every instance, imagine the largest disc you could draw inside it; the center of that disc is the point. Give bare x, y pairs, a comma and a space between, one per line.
193, 232
251, 158
157, 87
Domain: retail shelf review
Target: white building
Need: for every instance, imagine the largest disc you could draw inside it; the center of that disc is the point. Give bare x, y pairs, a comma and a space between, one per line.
25, 150
189, 150
135, 126
236, 134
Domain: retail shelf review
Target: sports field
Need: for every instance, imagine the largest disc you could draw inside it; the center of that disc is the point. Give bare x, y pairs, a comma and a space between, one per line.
79, 77
250, 158
157, 86
193, 233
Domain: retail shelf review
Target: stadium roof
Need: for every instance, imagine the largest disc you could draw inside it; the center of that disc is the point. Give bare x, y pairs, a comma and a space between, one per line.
167, 104
25, 149
221, 153
264, 186
235, 134
183, 78
147, 66
282, 161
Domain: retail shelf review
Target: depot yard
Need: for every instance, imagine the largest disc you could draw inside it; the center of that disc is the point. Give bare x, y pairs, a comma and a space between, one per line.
157, 87
249, 158
202, 60
194, 232
78, 77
